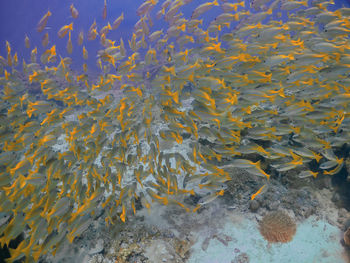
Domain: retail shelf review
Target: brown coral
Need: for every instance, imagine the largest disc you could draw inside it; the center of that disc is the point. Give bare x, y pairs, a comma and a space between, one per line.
347, 237
277, 226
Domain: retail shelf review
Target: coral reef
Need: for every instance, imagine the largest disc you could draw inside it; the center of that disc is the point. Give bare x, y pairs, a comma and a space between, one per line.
277, 226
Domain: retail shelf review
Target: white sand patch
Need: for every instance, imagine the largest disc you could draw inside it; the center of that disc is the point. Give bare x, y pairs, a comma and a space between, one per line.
315, 241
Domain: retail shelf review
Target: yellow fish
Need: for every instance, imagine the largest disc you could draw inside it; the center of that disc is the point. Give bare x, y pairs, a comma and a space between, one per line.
42, 23
74, 12
64, 30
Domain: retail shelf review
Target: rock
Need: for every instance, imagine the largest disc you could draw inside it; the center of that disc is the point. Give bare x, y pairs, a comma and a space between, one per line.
347, 165
254, 205
159, 251
335, 198
186, 135
300, 201
95, 259
98, 247
274, 205
241, 258
324, 182
347, 224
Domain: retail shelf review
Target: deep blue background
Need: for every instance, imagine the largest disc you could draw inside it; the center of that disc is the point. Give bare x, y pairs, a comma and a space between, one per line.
20, 17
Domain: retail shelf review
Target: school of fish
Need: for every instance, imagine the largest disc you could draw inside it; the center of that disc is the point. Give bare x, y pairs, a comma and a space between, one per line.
268, 78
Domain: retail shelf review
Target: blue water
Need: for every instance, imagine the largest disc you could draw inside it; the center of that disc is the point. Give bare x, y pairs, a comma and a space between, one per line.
20, 17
